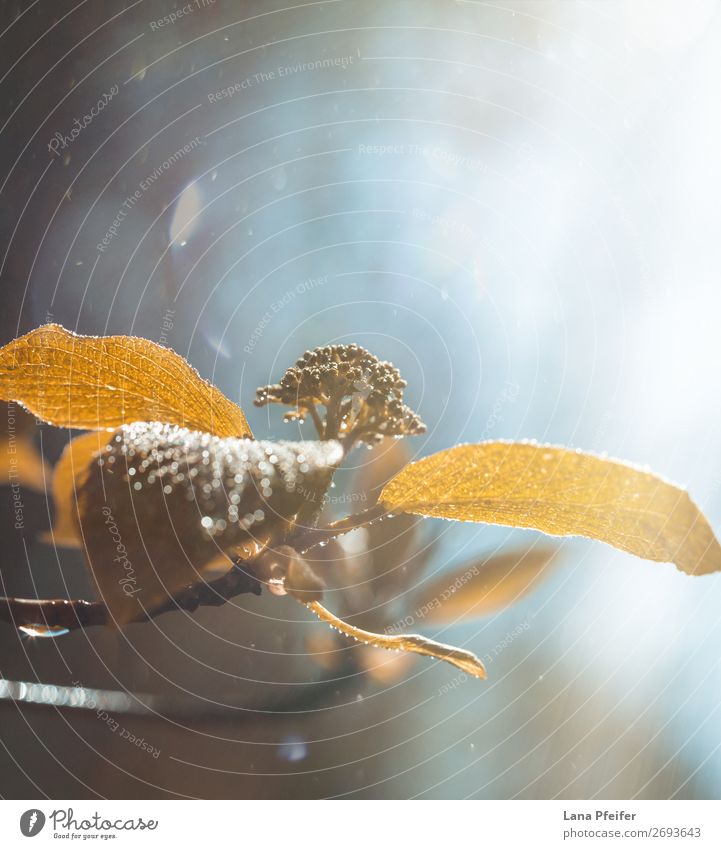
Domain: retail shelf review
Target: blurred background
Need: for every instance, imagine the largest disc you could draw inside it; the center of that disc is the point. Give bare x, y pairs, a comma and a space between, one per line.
517, 204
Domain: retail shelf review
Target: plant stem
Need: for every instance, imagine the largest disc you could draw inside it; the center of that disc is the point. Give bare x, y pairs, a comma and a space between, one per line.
78, 613
465, 660
331, 418
317, 421
53, 612
312, 507
303, 539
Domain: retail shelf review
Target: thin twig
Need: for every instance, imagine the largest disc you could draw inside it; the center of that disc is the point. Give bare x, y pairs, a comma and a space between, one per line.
53, 612
78, 613
465, 660
303, 539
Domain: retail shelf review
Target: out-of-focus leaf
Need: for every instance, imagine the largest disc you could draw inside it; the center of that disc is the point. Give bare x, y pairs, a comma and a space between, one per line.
22, 465
325, 649
101, 382
483, 587
70, 473
384, 667
393, 543
563, 493
20, 461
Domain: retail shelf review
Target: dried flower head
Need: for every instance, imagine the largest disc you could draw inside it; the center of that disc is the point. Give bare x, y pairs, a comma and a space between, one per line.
362, 395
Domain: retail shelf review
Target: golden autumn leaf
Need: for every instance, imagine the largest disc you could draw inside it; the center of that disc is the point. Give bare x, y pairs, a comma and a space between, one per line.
70, 473
563, 493
102, 382
483, 587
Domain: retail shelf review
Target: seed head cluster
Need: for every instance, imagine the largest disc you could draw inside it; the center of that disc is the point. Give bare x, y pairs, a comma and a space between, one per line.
362, 395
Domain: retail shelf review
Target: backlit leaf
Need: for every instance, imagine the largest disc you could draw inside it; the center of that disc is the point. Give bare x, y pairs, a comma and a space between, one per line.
102, 382
483, 587
560, 492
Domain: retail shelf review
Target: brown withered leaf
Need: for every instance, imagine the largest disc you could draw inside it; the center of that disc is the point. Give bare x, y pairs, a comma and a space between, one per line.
563, 493
162, 506
102, 382
70, 473
482, 587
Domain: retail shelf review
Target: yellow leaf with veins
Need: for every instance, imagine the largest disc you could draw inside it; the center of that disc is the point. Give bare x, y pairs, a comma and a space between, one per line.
563, 493
102, 382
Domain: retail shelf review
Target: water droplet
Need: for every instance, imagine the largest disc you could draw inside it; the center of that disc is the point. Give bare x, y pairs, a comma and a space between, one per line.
44, 630
276, 586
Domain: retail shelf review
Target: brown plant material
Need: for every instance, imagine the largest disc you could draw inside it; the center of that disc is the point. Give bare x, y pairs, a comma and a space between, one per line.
464, 660
362, 395
162, 507
176, 495
563, 493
